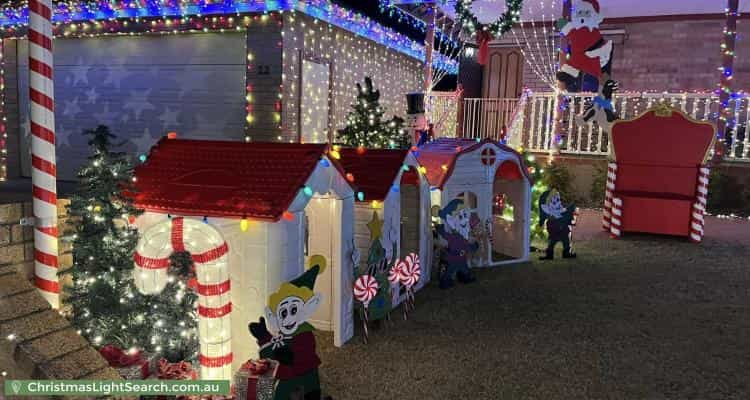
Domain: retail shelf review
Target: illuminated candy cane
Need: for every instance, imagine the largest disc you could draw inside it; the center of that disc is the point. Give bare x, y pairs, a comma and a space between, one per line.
44, 171
209, 252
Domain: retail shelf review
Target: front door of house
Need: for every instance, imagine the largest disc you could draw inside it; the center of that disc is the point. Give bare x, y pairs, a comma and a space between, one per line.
503, 73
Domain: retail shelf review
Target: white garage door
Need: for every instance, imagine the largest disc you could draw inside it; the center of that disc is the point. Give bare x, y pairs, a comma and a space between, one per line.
141, 87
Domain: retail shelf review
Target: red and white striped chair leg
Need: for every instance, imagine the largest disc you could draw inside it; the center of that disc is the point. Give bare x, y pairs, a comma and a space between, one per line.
44, 171
615, 230
609, 192
699, 207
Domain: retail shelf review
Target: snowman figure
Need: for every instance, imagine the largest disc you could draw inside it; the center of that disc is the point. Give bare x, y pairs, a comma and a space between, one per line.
590, 53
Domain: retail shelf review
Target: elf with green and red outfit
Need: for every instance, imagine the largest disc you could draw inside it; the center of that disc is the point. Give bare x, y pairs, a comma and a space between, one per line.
455, 232
294, 346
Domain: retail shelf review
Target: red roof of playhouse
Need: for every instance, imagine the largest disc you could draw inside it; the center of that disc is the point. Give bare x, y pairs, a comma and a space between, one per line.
439, 157
224, 179
372, 171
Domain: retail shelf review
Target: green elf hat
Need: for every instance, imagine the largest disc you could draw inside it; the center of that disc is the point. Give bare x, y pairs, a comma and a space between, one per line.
316, 265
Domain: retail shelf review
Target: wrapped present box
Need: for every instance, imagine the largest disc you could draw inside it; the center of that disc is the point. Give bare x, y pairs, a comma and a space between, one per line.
182, 370
131, 365
256, 380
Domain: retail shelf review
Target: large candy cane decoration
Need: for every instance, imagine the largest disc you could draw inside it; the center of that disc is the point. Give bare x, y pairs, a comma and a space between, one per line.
699, 207
210, 253
608, 194
44, 171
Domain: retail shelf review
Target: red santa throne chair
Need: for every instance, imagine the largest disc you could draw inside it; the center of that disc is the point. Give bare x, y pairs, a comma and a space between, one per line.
657, 180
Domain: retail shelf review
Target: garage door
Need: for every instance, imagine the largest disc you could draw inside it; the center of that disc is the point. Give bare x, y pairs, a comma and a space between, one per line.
141, 87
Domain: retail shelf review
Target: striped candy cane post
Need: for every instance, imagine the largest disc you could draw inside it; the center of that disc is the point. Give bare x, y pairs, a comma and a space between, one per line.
210, 253
699, 207
609, 191
615, 230
44, 171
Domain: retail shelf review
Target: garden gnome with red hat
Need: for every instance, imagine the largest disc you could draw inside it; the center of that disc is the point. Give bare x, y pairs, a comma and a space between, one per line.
589, 52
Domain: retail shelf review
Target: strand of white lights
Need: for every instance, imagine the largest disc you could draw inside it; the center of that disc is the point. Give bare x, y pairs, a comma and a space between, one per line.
545, 61
352, 58
529, 56
543, 67
550, 47
455, 51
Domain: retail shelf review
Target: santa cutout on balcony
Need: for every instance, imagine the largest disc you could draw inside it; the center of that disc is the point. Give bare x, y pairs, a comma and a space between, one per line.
589, 53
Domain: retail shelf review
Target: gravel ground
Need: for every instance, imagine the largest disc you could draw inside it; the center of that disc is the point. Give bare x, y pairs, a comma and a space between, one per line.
640, 318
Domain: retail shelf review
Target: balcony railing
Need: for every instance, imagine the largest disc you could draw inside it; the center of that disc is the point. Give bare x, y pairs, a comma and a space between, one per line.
531, 120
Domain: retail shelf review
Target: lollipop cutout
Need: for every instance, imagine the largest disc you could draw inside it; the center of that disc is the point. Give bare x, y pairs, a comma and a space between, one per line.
365, 289
410, 272
394, 275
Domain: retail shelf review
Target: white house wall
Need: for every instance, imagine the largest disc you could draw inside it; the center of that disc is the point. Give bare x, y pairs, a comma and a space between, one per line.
351, 58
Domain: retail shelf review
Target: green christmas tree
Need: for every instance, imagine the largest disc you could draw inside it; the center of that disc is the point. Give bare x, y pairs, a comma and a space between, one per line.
537, 174
168, 320
105, 305
100, 289
366, 125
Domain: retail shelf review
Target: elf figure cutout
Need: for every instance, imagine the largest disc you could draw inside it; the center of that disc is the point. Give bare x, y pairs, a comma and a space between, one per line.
292, 343
589, 54
559, 219
455, 232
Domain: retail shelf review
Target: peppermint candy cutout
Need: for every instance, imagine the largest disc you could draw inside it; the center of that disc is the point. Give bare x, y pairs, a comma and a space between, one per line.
365, 288
394, 275
410, 270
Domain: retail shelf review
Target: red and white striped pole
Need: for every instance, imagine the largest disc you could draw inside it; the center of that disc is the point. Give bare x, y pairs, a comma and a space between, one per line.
699, 207
615, 231
44, 172
608, 194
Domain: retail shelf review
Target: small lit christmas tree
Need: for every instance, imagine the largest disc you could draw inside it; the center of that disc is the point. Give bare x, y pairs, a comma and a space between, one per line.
100, 290
538, 232
168, 321
365, 124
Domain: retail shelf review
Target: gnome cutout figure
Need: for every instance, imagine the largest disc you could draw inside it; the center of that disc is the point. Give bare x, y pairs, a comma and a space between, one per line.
559, 219
455, 232
290, 340
589, 52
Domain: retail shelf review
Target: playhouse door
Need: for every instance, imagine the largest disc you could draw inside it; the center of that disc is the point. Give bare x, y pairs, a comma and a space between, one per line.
320, 240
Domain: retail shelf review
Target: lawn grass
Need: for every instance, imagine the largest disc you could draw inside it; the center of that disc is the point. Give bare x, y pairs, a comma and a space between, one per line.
640, 318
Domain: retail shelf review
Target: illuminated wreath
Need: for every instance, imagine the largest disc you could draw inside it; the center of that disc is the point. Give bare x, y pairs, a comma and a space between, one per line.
497, 28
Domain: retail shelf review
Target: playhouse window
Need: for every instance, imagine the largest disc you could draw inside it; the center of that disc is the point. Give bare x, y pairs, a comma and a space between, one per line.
469, 199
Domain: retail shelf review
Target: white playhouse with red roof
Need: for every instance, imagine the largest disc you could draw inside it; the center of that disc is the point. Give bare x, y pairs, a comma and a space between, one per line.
493, 182
243, 211
397, 194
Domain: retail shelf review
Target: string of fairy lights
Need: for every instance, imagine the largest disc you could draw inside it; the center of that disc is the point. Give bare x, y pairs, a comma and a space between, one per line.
3, 118
728, 120
352, 58
364, 42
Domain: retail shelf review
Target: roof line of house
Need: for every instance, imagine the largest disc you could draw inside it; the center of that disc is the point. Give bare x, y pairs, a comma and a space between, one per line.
320, 9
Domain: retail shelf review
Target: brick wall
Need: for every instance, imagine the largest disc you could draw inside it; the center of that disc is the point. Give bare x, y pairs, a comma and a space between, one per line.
17, 241
653, 55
